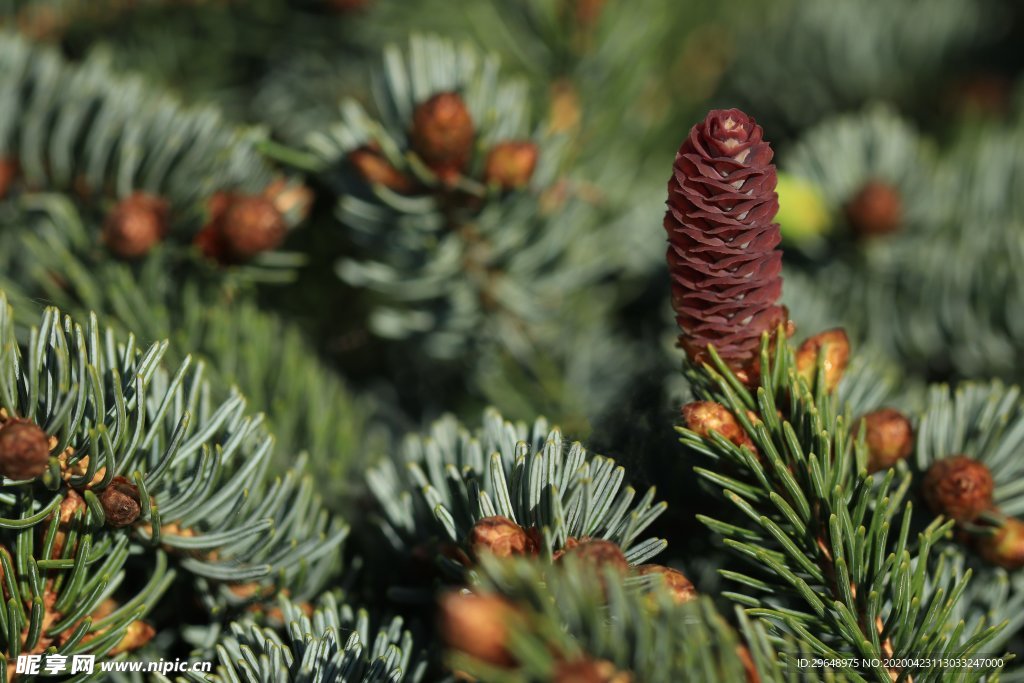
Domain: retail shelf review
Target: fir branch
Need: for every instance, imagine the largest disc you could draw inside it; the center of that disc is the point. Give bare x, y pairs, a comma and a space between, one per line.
90, 130
200, 466
455, 261
327, 641
265, 356
441, 485
831, 541
183, 154
573, 619
55, 605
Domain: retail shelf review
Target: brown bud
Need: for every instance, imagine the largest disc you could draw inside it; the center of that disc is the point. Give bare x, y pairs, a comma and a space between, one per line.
678, 585
24, 449
136, 635
376, 170
8, 171
443, 134
135, 226
589, 671
596, 552
1005, 548
121, 502
703, 417
876, 209
477, 625
290, 198
499, 536
958, 487
837, 355
889, 436
252, 225
240, 227
72, 504
510, 164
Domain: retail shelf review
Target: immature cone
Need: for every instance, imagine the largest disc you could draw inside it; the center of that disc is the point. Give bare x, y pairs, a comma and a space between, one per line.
69, 507
24, 449
589, 671
678, 585
510, 165
135, 636
443, 134
8, 170
889, 436
596, 552
478, 626
121, 502
876, 209
290, 198
500, 536
241, 227
722, 258
136, 225
704, 416
837, 356
376, 170
958, 487
1006, 547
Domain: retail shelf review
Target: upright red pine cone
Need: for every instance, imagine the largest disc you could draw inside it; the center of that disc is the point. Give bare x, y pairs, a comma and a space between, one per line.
722, 258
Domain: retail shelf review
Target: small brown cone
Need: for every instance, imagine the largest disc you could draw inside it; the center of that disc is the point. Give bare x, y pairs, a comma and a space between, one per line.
443, 134
889, 436
1006, 547
8, 171
252, 225
241, 227
958, 487
876, 209
376, 170
589, 671
596, 552
290, 198
136, 225
510, 165
678, 585
136, 635
499, 536
703, 417
24, 449
121, 502
837, 356
69, 507
477, 625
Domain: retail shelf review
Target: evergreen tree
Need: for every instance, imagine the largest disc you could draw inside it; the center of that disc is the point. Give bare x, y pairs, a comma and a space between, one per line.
318, 316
